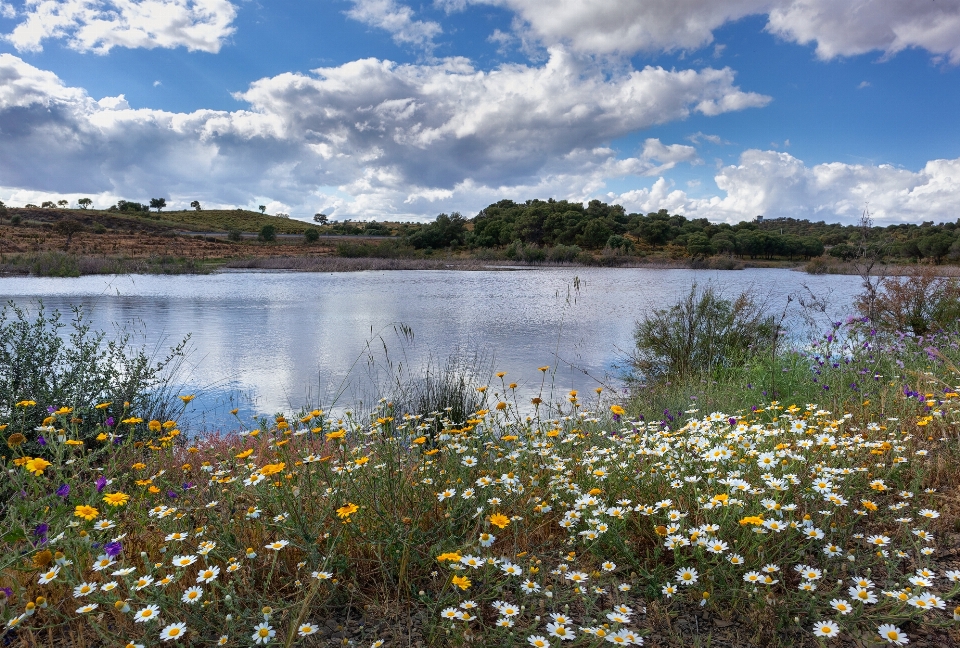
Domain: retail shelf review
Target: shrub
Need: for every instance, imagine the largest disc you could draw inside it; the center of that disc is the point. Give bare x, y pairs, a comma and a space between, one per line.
235, 235
46, 360
268, 233
920, 302
311, 235
701, 333
15, 219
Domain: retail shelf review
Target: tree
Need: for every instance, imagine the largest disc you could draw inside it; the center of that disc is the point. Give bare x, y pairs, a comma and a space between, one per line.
158, 203
62, 204
48, 204
320, 218
68, 227
311, 235
268, 233
84, 203
196, 205
263, 209
3, 209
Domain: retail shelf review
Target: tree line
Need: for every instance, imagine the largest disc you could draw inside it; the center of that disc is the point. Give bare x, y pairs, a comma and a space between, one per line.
598, 225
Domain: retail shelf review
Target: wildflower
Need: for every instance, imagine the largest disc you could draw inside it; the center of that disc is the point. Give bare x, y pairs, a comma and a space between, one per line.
450, 613
500, 520
487, 539
49, 575
87, 608
86, 512
538, 641
183, 561
83, 589
892, 634
307, 629
278, 545
36, 466
322, 575
173, 631
263, 633
462, 582
842, 606
561, 631
116, 499
192, 595
344, 512
827, 629
149, 613
208, 575
687, 576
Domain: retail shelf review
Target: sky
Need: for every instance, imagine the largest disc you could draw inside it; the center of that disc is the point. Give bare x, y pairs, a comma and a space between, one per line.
393, 110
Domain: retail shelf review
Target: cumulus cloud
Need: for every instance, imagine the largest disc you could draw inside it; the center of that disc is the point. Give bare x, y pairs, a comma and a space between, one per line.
774, 184
668, 155
368, 136
397, 19
101, 25
837, 28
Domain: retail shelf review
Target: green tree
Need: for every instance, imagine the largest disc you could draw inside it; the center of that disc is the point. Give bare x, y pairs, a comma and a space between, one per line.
263, 209
68, 227
320, 218
311, 235
196, 205
935, 246
268, 233
63, 204
84, 203
158, 203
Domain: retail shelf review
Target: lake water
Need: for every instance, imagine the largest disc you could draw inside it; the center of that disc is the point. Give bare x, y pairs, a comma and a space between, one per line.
275, 341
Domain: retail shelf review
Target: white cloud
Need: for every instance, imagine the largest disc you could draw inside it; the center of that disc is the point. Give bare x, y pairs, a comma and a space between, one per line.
100, 25
777, 184
7, 10
839, 28
396, 19
371, 137
667, 155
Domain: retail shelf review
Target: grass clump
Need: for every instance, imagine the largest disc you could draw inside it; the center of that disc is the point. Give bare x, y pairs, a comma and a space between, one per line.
700, 334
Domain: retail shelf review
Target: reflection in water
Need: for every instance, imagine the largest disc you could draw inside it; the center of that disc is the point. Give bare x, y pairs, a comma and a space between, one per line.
272, 341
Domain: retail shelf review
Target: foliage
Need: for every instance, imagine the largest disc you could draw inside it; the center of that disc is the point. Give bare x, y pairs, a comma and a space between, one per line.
85, 203
311, 235
127, 206
46, 360
444, 232
196, 205
158, 203
699, 334
268, 233
920, 302
573, 521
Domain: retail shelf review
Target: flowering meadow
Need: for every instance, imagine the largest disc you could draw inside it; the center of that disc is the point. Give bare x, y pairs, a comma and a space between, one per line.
571, 522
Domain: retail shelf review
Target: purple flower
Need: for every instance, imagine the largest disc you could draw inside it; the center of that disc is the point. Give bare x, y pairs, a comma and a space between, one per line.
41, 440
101, 483
171, 494
41, 531
6, 591
64, 490
113, 549
110, 421
51, 409
732, 421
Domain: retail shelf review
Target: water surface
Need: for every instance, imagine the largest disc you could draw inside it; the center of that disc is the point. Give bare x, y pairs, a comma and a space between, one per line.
276, 341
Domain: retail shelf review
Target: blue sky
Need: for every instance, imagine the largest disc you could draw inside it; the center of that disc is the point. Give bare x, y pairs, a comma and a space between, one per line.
380, 109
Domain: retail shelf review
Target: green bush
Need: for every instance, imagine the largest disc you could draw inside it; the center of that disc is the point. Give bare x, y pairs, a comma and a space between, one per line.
47, 361
701, 333
235, 235
55, 264
311, 235
268, 233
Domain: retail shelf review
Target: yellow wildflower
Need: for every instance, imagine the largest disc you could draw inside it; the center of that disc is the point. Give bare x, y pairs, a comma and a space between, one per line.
36, 466
86, 512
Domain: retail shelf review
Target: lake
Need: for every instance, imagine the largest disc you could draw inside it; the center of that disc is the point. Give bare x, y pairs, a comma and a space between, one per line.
275, 341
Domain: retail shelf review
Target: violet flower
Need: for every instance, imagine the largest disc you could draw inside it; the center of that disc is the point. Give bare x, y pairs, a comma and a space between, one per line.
64, 490
101, 483
113, 549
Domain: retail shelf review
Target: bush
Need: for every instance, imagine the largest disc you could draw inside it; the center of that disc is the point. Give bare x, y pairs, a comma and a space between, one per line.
701, 333
268, 233
311, 235
15, 219
920, 302
45, 360
55, 264
235, 235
